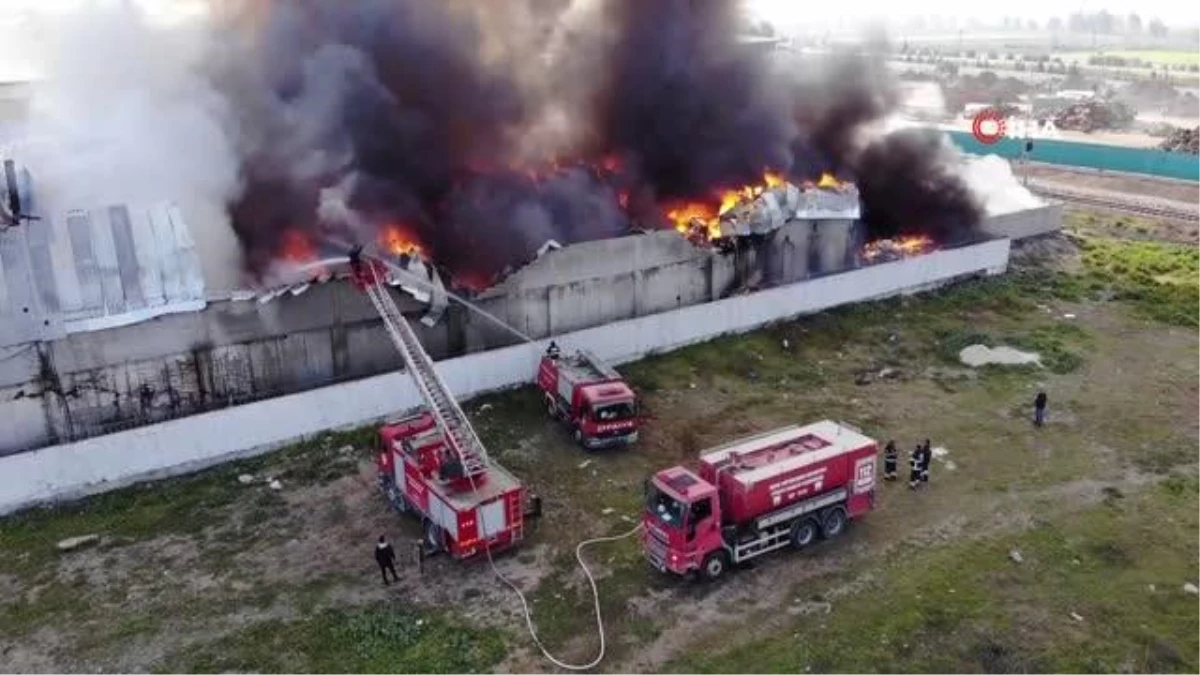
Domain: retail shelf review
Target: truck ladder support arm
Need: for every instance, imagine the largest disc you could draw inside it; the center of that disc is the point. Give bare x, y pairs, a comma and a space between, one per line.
446, 412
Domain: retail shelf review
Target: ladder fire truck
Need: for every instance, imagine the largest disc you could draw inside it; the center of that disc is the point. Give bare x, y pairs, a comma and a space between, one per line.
432, 464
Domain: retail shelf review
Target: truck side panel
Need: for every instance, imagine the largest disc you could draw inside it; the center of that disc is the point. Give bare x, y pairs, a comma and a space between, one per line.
862, 487
745, 502
444, 516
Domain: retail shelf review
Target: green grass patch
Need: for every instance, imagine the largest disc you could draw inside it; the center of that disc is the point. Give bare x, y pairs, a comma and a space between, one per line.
376, 640
1160, 279
1167, 57
1081, 601
185, 505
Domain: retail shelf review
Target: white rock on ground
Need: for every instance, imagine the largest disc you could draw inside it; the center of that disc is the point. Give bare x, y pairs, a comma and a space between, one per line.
979, 355
1191, 588
246, 479
275, 484
1016, 556
72, 543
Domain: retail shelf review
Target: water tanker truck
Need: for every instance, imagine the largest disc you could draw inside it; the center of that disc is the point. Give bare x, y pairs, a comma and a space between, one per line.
784, 488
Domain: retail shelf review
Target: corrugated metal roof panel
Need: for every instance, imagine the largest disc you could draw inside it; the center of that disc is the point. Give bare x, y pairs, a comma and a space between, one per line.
76, 271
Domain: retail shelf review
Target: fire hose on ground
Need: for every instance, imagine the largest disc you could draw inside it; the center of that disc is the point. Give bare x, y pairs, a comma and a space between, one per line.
578, 549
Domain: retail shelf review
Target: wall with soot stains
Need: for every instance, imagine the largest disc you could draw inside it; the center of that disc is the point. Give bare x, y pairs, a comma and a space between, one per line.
237, 352
187, 444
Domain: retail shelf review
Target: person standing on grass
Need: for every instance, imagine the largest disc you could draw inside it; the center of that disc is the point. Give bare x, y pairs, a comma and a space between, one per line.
914, 468
926, 460
890, 455
1039, 409
385, 556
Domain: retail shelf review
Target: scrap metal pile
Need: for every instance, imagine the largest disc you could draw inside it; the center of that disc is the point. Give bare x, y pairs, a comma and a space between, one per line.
1182, 140
1089, 116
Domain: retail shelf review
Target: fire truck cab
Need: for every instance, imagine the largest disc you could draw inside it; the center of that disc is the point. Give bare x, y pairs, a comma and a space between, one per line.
591, 397
787, 487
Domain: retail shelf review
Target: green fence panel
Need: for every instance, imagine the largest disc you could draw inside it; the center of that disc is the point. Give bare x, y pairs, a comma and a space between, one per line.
1151, 162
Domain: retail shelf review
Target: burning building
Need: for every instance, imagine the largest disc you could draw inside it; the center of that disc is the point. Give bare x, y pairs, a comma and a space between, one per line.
649, 167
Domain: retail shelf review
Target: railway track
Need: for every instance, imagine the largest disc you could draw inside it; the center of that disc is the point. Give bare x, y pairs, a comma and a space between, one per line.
1116, 202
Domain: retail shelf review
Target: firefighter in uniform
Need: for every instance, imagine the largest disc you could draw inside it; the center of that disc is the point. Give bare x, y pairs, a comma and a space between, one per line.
890, 455
926, 459
552, 351
914, 467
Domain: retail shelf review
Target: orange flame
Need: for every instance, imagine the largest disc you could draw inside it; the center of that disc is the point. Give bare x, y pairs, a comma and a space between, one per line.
296, 247
829, 182
705, 217
396, 241
902, 247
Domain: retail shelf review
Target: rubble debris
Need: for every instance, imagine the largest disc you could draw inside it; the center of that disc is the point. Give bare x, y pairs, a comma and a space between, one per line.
1015, 556
889, 373
345, 449
1191, 588
1076, 616
862, 379
1094, 115
246, 478
584, 464
1182, 140
73, 543
606, 511
275, 484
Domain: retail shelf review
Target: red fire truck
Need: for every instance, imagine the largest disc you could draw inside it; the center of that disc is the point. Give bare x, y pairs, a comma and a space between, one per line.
432, 463
591, 397
786, 487
461, 514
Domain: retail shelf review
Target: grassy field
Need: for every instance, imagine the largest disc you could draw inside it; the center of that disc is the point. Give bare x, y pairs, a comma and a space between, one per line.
1156, 56
209, 574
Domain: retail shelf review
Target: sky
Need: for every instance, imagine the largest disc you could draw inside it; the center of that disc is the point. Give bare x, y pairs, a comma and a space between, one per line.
16, 65
798, 11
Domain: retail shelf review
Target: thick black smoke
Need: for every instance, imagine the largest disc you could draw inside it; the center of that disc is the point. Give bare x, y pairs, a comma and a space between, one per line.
907, 186
445, 118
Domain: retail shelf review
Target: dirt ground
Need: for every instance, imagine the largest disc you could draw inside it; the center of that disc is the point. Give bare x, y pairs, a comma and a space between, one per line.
207, 573
1178, 191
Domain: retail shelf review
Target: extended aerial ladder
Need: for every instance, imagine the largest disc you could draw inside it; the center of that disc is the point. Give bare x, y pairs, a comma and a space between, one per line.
369, 276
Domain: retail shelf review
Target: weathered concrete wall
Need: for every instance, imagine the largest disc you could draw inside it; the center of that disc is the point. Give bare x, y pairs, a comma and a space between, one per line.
1024, 224
103, 381
234, 352
106, 462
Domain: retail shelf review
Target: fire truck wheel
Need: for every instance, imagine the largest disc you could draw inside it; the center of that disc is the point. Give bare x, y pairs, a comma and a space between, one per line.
834, 522
433, 536
714, 565
804, 531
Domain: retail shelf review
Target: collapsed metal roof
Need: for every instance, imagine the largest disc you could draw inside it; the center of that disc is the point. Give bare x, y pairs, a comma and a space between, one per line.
409, 273
84, 270
778, 205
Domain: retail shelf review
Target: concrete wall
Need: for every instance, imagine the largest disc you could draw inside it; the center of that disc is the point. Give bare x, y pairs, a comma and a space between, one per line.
1024, 224
92, 383
186, 444
235, 352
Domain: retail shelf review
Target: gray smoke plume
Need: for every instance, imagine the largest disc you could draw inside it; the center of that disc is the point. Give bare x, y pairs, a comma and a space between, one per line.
121, 114
486, 128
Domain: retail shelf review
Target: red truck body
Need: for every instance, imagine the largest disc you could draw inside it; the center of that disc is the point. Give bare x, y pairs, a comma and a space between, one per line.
460, 516
758, 494
591, 397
